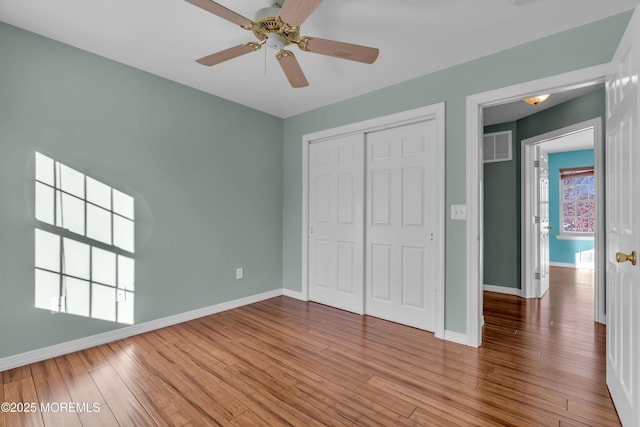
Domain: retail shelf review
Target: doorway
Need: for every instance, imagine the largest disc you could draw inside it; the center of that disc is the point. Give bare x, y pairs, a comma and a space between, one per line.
475, 181
572, 241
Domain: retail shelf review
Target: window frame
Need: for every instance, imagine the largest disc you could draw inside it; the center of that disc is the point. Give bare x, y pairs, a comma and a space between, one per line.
569, 173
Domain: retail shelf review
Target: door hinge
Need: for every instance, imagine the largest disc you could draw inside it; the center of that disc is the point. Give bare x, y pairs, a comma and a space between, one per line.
536, 163
537, 276
536, 219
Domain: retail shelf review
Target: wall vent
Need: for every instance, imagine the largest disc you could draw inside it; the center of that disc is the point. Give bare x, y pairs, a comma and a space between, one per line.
497, 147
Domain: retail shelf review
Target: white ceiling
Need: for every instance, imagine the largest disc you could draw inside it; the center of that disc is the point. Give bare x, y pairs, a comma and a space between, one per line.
415, 37
580, 140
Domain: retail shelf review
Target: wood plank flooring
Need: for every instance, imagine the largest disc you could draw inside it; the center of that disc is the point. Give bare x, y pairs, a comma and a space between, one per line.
286, 362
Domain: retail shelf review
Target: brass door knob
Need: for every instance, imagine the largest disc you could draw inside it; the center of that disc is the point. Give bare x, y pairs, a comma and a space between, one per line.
622, 257
549, 227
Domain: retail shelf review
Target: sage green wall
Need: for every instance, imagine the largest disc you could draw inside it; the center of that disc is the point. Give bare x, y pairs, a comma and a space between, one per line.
206, 174
502, 186
502, 215
581, 47
577, 110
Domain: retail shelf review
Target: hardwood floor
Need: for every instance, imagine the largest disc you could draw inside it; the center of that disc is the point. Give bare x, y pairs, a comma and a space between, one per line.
286, 362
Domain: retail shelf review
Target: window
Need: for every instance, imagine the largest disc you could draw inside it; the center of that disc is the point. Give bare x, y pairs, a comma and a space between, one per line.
577, 192
84, 244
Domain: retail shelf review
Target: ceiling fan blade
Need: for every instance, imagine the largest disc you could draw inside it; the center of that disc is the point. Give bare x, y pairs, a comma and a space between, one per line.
227, 54
295, 12
222, 12
342, 50
291, 68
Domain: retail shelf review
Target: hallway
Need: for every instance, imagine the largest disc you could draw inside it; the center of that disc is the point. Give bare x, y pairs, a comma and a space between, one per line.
551, 348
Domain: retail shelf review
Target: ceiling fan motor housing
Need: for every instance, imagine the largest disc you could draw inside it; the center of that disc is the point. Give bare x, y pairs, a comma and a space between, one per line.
269, 28
271, 11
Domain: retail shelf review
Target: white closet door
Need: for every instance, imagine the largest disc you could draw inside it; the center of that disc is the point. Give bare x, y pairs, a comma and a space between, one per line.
401, 220
336, 222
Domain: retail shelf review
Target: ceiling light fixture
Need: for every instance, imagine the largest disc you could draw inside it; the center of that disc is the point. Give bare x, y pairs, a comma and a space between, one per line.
535, 100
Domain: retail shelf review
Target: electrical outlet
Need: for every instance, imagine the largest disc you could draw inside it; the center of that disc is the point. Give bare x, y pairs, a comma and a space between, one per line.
459, 212
58, 305
239, 273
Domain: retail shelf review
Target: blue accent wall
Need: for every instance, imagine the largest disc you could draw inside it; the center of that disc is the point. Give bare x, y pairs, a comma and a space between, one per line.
564, 251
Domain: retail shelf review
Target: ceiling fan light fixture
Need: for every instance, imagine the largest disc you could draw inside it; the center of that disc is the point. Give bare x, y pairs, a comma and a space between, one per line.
535, 100
276, 41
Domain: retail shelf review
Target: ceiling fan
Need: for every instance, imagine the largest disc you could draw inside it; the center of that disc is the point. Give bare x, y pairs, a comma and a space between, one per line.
278, 26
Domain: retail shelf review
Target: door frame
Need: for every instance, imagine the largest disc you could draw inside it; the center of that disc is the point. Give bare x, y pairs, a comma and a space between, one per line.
599, 236
475, 181
432, 112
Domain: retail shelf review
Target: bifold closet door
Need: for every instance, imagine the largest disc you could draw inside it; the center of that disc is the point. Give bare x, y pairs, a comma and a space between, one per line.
336, 222
401, 219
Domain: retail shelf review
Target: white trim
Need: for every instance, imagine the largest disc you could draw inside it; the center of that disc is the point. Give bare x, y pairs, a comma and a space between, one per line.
431, 112
502, 290
293, 294
562, 264
474, 200
566, 236
56, 350
456, 337
582, 266
475, 103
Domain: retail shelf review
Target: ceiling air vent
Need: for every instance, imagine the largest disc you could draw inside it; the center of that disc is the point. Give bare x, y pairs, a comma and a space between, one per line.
497, 147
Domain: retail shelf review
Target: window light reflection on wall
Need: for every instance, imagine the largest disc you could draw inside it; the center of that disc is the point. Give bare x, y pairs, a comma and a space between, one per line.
83, 245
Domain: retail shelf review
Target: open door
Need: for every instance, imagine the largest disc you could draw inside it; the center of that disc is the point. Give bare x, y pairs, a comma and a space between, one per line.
542, 218
623, 226
536, 228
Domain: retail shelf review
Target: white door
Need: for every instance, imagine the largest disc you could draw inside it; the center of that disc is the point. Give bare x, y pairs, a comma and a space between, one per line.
623, 226
542, 268
336, 222
401, 221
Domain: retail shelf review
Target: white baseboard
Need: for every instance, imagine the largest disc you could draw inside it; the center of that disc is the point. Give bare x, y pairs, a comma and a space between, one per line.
503, 290
585, 265
118, 334
456, 337
292, 294
56, 350
561, 264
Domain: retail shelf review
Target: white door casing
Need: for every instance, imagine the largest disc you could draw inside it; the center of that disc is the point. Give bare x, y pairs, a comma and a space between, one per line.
336, 231
474, 179
623, 225
401, 225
